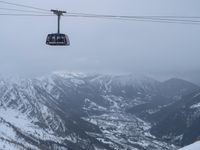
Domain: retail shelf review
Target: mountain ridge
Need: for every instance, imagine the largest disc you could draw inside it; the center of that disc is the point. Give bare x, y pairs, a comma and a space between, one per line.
78, 111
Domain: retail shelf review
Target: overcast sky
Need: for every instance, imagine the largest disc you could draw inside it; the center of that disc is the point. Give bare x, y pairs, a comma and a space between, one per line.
101, 45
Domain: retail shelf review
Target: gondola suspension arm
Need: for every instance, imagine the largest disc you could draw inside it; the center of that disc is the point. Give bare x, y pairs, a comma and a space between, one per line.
59, 14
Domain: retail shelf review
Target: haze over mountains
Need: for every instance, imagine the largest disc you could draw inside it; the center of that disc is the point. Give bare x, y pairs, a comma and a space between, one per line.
78, 111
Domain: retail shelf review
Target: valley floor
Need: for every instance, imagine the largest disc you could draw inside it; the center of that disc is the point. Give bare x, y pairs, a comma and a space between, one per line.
125, 131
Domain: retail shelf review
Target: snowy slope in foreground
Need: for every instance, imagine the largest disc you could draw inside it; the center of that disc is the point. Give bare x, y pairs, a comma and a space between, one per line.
195, 146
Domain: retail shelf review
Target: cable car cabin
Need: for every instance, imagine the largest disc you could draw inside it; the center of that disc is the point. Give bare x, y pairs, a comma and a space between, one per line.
57, 39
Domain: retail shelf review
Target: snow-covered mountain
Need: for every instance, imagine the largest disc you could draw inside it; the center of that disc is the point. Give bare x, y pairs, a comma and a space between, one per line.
76, 111
179, 121
167, 93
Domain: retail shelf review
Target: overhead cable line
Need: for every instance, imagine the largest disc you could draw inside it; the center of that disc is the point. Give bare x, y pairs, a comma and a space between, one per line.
45, 12
42, 15
159, 20
20, 10
139, 18
171, 18
162, 19
125, 16
22, 5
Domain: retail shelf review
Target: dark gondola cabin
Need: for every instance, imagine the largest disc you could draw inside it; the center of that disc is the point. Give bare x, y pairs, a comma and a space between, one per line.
56, 39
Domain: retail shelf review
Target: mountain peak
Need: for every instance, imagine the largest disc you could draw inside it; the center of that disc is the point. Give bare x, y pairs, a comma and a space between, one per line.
178, 81
66, 74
